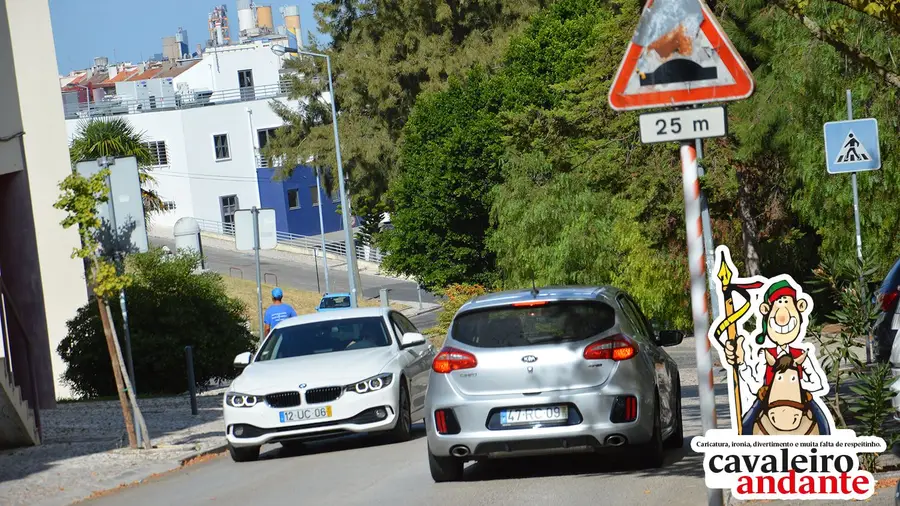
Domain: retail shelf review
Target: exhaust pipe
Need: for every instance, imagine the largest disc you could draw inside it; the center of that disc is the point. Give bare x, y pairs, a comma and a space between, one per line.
459, 451
616, 440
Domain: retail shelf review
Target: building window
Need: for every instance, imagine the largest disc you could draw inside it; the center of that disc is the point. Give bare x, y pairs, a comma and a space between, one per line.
220, 142
229, 207
168, 205
293, 199
265, 135
314, 195
159, 154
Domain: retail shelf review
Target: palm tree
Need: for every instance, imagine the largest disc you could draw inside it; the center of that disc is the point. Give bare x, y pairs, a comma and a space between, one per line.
116, 137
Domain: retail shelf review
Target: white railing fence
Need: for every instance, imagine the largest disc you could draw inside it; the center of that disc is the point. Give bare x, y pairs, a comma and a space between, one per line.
313, 244
114, 104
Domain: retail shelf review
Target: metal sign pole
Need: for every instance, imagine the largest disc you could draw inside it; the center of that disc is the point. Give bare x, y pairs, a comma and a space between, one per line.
322, 232
708, 244
105, 162
255, 211
859, 255
698, 295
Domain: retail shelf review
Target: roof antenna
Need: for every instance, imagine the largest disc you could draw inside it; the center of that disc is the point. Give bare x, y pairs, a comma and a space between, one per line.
534, 290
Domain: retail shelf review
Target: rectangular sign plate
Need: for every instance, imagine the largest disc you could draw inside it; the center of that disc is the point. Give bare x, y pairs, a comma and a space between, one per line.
852, 146
683, 125
243, 230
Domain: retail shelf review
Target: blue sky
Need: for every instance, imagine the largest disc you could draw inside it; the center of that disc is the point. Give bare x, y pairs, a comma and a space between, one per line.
126, 30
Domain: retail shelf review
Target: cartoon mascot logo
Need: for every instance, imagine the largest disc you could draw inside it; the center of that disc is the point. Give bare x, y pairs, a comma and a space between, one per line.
783, 443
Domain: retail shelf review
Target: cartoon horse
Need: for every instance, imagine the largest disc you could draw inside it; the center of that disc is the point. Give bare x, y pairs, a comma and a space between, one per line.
786, 408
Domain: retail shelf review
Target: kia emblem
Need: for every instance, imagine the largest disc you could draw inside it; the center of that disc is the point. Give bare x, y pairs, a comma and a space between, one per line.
529, 359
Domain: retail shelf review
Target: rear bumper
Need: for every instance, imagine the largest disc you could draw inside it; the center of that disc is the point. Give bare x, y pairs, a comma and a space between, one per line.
594, 406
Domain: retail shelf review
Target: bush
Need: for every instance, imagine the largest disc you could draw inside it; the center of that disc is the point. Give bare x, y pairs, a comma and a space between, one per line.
169, 307
454, 298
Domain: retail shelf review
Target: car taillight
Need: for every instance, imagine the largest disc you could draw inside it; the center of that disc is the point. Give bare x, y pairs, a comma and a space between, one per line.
888, 301
617, 347
451, 359
624, 409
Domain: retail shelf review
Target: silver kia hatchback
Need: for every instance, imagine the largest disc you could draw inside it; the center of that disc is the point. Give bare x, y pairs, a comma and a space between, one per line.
560, 369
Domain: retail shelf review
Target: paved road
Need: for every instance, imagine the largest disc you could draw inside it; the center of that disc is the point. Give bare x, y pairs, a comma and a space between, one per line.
300, 275
359, 471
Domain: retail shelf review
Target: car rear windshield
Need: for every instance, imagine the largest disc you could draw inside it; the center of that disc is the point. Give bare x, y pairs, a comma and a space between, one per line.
333, 302
508, 326
325, 337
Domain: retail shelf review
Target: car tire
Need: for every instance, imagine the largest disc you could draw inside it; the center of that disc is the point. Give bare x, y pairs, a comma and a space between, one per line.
243, 454
402, 430
676, 440
653, 454
445, 469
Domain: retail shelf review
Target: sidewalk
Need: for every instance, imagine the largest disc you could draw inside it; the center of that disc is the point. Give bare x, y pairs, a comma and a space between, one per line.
85, 448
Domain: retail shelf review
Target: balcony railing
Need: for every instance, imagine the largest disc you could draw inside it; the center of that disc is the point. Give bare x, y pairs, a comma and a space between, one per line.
112, 105
264, 163
312, 244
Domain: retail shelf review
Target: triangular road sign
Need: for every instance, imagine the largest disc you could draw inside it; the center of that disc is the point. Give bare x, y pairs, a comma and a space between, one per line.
679, 55
852, 150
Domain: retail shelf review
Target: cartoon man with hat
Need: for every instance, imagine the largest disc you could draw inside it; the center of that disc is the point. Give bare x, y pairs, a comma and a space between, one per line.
784, 313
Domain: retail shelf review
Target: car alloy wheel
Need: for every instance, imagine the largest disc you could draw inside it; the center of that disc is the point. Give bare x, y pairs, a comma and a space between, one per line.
402, 430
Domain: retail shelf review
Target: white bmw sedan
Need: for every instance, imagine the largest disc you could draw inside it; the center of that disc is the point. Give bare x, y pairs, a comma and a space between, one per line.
329, 374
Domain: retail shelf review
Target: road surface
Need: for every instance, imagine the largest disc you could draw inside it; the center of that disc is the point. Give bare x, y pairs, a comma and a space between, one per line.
300, 275
360, 471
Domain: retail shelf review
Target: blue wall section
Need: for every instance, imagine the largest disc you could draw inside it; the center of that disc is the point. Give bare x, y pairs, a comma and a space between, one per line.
273, 194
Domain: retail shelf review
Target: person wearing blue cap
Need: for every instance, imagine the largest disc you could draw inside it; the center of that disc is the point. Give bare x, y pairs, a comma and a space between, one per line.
277, 311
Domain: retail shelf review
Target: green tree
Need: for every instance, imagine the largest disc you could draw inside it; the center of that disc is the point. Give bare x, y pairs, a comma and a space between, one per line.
582, 200
117, 137
442, 203
384, 55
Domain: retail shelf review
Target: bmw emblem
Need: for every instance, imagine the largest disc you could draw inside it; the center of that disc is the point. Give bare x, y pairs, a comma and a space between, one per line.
529, 359
302, 385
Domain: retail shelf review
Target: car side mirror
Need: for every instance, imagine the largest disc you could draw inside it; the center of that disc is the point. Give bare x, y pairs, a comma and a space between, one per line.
243, 360
669, 337
411, 339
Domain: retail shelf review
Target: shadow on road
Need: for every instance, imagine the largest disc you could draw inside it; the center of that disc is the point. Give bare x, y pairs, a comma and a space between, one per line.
681, 462
346, 443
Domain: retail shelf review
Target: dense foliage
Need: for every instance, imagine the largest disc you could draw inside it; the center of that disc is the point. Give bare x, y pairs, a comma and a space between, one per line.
486, 126
450, 160
169, 307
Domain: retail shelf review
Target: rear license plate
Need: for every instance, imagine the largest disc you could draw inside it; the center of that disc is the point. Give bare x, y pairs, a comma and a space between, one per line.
305, 415
534, 415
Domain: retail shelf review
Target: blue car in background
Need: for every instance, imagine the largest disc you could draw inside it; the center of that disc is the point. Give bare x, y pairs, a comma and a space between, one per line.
334, 301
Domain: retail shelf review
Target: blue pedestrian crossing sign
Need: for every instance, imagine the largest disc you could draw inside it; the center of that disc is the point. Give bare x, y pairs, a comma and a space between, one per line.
852, 146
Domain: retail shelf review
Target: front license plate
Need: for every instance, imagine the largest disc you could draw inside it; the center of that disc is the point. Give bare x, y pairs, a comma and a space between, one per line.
305, 415
534, 415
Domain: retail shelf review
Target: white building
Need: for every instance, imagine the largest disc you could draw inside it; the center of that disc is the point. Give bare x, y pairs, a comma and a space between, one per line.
206, 120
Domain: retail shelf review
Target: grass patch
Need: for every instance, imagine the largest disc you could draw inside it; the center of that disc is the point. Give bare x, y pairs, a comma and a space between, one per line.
304, 302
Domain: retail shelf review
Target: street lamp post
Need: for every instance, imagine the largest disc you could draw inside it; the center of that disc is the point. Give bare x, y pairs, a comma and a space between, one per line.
345, 202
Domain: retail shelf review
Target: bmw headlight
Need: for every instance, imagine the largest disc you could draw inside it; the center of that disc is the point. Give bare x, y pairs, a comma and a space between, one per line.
237, 400
372, 384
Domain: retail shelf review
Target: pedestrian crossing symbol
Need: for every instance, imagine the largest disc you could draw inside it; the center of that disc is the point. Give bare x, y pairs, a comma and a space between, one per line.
852, 151
852, 146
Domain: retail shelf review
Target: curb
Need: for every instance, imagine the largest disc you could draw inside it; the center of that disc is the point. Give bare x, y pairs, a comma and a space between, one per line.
429, 310
209, 451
